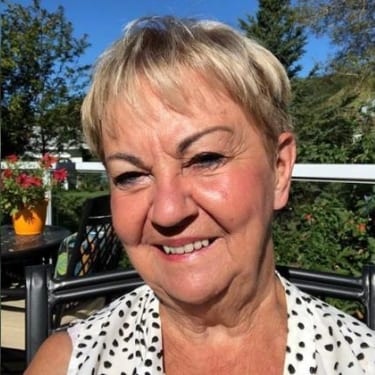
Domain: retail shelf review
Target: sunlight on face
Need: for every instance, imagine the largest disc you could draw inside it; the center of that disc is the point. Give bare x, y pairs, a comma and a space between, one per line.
192, 194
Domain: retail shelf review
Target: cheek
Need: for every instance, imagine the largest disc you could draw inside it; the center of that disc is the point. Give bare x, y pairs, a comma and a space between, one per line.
232, 197
128, 217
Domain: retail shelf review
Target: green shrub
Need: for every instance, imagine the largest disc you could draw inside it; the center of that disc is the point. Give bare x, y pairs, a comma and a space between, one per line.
327, 227
323, 229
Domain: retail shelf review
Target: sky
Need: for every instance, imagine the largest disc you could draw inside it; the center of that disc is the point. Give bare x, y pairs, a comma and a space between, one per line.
104, 20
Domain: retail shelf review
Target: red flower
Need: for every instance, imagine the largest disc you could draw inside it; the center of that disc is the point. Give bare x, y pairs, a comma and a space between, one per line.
36, 181
7, 173
48, 160
12, 158
25, 184
23, 180
26, 181
60, 174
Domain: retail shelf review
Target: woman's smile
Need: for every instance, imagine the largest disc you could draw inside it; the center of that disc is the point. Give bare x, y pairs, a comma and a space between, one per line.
186, 248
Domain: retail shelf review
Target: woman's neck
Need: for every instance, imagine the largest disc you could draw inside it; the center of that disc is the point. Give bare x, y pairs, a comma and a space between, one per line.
249, 335
235, 309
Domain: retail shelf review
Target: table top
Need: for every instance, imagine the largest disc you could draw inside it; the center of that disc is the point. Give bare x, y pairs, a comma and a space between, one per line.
15, 246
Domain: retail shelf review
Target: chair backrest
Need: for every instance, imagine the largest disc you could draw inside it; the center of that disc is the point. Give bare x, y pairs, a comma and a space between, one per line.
44, 296
44, 293
326, 284
95, 247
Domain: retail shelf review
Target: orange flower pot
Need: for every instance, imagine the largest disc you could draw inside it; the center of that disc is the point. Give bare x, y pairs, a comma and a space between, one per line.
30, 221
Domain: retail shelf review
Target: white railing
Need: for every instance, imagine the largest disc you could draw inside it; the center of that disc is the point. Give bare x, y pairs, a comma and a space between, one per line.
351, 173
346, 173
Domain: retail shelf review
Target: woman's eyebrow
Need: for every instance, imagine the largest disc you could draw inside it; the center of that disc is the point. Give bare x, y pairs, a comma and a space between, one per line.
126, 157
183, 145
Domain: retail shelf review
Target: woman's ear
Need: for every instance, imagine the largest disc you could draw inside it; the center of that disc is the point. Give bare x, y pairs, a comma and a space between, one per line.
285, 158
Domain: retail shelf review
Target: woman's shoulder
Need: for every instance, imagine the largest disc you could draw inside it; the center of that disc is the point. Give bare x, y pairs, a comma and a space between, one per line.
130, 324
326, 335
52, 357
56, 353
303, 305
127, 307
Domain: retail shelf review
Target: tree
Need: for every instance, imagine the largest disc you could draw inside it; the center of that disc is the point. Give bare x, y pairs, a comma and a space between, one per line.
41, 80
335, 113
350, 26
276, 28
334, 120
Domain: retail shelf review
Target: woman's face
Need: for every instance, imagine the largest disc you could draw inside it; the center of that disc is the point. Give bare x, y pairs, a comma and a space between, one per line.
193, 194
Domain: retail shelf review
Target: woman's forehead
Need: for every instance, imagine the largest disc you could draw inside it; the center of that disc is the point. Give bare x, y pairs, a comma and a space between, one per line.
194, 97
154, 117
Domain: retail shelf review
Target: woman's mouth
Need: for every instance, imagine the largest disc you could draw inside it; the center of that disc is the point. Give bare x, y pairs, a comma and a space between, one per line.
187, 248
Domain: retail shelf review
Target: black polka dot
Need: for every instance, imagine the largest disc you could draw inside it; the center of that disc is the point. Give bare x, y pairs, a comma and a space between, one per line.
107, 364
349, 339
299, 357
328, 347
360, 356
291, 369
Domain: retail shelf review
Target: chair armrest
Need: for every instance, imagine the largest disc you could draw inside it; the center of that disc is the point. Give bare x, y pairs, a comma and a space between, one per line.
36, 307
369, 283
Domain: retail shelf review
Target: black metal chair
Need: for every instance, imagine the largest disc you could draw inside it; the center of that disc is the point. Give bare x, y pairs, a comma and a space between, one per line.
44, 293
95, 247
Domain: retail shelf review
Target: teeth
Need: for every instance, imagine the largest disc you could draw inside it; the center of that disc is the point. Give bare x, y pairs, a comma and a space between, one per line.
186, 248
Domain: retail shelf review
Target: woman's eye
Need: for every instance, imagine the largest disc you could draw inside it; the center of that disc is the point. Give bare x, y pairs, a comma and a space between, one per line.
128, 179
207, 160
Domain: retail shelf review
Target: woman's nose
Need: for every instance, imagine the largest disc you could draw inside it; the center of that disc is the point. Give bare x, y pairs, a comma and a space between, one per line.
173, 203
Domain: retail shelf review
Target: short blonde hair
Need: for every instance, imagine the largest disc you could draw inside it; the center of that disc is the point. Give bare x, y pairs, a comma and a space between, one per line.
158, 49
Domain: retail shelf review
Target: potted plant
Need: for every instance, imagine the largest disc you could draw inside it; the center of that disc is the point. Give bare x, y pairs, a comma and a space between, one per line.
24, 188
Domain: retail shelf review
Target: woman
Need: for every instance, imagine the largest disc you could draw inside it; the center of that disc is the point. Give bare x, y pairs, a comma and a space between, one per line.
190, 120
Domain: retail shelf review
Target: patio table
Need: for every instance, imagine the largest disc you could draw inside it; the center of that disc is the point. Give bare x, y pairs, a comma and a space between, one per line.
25, 249
18, 251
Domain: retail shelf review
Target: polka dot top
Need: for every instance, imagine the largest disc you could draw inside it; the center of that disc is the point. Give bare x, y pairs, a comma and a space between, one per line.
124, 338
